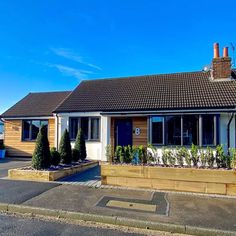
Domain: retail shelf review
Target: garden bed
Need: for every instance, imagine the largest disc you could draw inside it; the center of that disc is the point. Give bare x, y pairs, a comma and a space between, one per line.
210, 181
52, 174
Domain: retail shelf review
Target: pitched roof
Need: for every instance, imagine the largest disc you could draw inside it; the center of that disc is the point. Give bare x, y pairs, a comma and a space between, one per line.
190, 90
36, 104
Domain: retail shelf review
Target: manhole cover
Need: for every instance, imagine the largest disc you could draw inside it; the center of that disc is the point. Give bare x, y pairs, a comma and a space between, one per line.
158, 204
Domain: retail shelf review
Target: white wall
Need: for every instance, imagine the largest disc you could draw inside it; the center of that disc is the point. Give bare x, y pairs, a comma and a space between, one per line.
95, 149
224, 119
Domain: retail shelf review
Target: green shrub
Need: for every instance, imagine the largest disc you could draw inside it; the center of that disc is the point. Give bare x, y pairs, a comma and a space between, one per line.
210, 157
233, 158
203, 158
80, 146
171, 158
186, 156
142, 154
119, 154
194, 155
220, 156
65, 148
75, 155
128, 154
109, 153
41, 157
55, 157
180, 153
152, 154
164, 157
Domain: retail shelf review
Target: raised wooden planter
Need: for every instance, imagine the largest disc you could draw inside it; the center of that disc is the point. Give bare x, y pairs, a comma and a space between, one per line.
41, 175
167, 178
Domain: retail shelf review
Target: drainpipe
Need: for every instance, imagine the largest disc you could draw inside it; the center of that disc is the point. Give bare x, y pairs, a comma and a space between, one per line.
57, 132
228, 132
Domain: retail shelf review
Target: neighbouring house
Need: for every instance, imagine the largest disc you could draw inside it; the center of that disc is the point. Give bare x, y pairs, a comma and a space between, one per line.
165, 110
23, 120
1, 130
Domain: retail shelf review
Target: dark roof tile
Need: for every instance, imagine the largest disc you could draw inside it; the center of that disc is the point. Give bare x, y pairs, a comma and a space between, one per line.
190, 90
36, 104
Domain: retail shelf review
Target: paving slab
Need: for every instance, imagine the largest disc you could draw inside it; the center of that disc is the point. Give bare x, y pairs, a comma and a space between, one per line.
186, 209
90, 178
17, 192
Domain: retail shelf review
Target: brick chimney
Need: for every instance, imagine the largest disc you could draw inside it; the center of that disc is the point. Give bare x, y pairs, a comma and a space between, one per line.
221, 66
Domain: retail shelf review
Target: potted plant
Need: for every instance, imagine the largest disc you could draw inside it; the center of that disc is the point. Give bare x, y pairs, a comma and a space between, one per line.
2, 150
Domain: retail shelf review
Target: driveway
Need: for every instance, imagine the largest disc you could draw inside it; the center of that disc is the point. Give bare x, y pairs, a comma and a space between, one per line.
89, 178
11, 163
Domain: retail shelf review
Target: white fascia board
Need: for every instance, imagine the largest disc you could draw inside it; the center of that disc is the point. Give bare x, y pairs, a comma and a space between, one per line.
75, 114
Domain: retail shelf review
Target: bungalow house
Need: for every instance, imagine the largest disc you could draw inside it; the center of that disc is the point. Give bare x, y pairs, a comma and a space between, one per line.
165, 110
23, 120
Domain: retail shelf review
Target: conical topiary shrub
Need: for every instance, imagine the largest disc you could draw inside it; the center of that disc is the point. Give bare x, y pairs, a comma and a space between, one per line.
41, 157
65, 148
80, 146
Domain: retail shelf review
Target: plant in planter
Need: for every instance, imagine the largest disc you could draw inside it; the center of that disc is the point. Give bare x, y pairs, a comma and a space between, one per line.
55, 157
65, 148
80, 146
128, 155
194, 155
119, 154
41, 158
210, 157
142, 154
165, 154
135, 153
186, 156
2, 150
171, 158
220, 156
179, 154
203, 158
152, 154
109, 153
233, 158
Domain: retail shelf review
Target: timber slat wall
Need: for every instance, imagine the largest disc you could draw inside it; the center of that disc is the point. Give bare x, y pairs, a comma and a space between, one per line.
138, 122
174, 179
13, 140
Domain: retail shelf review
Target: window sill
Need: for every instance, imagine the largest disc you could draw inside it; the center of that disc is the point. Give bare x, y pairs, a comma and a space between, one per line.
28, 141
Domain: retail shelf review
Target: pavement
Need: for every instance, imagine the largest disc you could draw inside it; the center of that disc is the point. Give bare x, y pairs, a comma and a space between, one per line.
187, 210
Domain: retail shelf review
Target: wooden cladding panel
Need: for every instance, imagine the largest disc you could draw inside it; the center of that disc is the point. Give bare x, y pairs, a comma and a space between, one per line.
142, 139
13, 140
138, 122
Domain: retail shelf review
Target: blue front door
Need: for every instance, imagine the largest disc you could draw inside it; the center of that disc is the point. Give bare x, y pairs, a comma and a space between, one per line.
123, 132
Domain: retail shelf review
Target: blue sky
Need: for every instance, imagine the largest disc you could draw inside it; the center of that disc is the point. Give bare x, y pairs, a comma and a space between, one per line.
51, 45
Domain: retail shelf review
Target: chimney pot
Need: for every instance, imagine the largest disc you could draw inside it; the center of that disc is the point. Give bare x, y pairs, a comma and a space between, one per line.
225, 52
216, 50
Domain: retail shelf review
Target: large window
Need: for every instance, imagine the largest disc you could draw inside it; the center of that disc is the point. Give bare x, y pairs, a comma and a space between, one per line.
31, 128
208, 130
157, 130
184, 130
173, 130
190, 129
89, 125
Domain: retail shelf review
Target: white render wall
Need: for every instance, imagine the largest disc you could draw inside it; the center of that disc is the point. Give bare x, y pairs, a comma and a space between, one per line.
95, 149
224, 119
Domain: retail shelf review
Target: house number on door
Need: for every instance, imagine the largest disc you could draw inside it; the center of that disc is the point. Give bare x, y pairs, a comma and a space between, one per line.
137, 131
